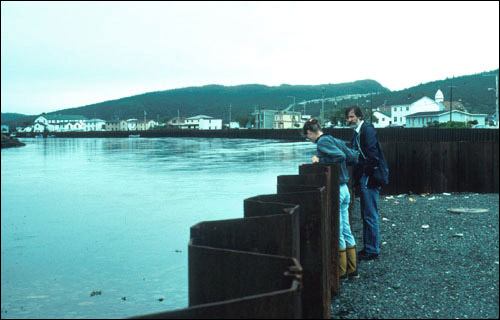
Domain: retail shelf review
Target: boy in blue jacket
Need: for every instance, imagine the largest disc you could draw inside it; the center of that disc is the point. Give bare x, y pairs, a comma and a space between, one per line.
332, 150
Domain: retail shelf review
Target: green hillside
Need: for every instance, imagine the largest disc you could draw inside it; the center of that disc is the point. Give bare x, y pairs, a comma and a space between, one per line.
471, 90
11, 116
214, 100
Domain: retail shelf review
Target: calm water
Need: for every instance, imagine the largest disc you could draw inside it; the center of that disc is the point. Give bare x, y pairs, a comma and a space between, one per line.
83, 215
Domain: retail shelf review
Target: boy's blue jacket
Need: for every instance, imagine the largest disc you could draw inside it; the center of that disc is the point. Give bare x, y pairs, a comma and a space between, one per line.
332, 150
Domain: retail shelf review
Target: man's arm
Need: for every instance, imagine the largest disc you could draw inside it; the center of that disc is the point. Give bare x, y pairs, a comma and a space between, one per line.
369, 146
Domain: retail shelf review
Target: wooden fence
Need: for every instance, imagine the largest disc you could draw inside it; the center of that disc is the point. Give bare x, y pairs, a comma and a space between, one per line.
436, 167
384, 134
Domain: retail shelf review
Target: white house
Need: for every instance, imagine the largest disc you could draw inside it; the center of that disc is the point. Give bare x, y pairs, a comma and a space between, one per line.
210, 124
94, 125
194, 122
132, 124
384, 119
146, 125
59, 123
399, 113
423, 119
425, 104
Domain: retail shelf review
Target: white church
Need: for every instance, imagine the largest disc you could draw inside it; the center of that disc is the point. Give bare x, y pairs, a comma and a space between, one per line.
425, 110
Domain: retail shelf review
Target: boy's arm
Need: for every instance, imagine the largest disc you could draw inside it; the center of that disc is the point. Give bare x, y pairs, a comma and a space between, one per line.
331, 153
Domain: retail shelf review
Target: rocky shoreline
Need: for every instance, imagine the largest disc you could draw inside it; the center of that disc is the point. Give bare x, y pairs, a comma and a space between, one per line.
9, 142
433, 263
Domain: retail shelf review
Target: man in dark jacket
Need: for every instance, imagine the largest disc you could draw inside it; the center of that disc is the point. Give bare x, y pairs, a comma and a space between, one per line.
365, 141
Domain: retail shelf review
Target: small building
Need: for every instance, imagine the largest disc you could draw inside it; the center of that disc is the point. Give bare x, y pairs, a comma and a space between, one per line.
132, 124
264, 119
234, 125
5, 128
424, 119
210, 124
177, 122
59, 123
194, 122
146, 125
116, 125
288, 120
94, 125
384, 119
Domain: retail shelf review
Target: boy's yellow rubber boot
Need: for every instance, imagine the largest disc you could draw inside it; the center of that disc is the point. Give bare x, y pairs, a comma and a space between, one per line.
352, 266
343, 264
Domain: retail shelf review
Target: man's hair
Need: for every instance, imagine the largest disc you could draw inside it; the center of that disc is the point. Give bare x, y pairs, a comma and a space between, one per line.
312, 125
357, 111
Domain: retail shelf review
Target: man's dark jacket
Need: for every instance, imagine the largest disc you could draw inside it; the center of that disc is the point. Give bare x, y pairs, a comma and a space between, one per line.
369, 158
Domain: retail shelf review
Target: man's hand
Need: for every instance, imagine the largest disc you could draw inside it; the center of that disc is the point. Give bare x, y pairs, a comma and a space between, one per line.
315, 159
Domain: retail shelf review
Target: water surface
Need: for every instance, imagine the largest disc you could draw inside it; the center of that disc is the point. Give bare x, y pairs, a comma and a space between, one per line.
113, 215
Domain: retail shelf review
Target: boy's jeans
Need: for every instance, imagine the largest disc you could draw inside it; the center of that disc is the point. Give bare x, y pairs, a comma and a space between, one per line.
345, 234
369, 213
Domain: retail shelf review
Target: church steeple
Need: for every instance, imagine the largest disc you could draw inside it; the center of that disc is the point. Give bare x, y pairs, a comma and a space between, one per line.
439, 97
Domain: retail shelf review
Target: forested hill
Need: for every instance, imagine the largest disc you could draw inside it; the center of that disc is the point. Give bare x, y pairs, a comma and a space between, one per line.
11, 116
214, 100
471, 90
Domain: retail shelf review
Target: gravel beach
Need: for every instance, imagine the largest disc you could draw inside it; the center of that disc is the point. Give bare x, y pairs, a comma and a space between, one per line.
433, 263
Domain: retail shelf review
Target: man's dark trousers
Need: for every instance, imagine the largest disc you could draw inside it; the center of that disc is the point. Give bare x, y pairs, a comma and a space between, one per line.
366, 142
369, 213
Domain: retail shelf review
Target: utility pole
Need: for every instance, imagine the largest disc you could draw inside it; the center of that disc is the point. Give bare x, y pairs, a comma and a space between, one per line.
230, 115
293, 106
496, 91
451, 98
257, 116
371, 107
322, 105
496, 116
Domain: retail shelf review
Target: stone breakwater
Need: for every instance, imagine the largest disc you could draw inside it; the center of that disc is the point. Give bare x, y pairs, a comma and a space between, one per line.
8, 142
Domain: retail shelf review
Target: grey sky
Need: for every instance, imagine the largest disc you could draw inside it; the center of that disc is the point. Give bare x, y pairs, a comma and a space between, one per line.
58, 55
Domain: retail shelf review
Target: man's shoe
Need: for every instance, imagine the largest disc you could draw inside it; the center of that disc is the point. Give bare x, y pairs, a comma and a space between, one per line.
362, 255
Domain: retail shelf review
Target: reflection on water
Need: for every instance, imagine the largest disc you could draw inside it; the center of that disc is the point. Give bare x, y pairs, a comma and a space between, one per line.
113, 215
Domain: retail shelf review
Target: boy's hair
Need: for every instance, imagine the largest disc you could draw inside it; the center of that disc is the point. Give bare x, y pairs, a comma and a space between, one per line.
357, 111
312, 125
